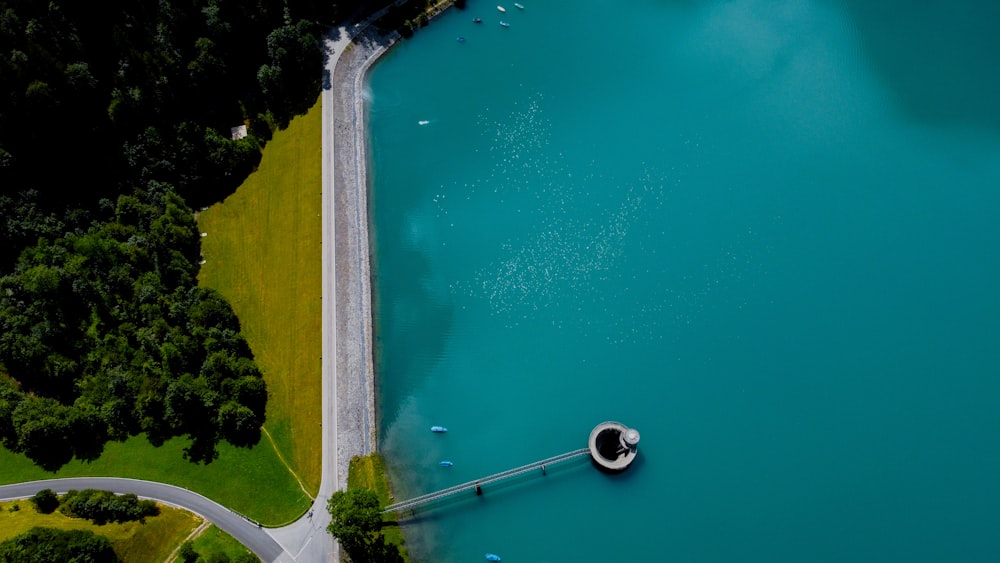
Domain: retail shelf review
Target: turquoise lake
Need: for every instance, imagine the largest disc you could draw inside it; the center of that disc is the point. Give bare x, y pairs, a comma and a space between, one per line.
763, 233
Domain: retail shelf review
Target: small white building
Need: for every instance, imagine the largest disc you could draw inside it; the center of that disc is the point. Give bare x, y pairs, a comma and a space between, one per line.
239, 132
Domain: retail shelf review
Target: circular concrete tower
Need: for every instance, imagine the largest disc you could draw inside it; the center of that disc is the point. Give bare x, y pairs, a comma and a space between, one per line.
613, 446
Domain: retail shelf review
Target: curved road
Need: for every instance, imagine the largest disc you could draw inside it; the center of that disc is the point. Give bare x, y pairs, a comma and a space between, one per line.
347, 420
249, 534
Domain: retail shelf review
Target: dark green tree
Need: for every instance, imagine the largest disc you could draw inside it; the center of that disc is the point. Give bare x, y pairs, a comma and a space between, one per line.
239, 424
10, 398
43, 430
46, 545
46, 501
356, 522
187, 552
294, 58
102, 507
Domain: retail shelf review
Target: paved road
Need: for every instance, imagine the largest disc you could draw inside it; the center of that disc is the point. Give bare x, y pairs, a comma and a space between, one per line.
249, 534
306, 540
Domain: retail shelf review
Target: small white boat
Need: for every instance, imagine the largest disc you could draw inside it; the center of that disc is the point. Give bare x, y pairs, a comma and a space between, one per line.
438, 429
501, 8
505, 24
492, 557
446, 464
518, 6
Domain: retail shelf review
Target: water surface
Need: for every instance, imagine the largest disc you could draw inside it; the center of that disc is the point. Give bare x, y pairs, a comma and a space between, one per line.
763, 233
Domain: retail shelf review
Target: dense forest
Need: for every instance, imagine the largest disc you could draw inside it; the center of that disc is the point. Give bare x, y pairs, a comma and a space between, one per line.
115, 122
43, 545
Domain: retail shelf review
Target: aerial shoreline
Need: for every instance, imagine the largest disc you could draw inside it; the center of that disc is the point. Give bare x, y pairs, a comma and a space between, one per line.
356, 396
349, 384
355, 377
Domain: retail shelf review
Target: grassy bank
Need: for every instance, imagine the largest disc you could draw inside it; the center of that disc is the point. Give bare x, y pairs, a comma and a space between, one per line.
137, 542
262, 251
276, 498
369, 472
213, 542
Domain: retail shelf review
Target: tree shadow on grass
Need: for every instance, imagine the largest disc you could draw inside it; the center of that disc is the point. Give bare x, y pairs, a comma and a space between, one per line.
202, 448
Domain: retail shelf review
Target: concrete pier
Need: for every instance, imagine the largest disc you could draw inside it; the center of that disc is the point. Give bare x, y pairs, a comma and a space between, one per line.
612, 448
478, 484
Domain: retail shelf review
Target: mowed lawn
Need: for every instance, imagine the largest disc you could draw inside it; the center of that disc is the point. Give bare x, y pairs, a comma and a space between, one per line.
250, 481
214, 540
262, 252
139, 542
368, 472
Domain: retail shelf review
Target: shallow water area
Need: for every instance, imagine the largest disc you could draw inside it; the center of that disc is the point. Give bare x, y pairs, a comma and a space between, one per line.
761, 233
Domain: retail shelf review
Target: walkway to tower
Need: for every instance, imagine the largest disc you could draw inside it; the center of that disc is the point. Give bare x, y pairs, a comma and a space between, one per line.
612, 447
479, 483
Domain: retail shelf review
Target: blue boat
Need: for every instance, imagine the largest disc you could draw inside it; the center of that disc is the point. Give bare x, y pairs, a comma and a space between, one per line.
446, 464
460, 39
438, 429
505, 24
492, 557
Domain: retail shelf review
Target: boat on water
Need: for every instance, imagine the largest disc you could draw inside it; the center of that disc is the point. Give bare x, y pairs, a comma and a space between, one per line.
505, 24
501, 8
460, 39
477, 20
518, 6
446, 464
492, 557
438, 429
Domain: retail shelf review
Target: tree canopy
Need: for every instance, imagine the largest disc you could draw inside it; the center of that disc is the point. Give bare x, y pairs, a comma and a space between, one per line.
356, 522
115, 121
102, 507
149, 90
105, 334
45, 501
44, 545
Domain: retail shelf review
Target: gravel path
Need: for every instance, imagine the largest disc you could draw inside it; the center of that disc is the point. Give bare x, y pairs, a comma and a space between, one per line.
354, 366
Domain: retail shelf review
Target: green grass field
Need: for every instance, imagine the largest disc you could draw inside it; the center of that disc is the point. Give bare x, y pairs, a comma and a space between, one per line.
137, 542
263, 253
214, 540
368, 472
252, 482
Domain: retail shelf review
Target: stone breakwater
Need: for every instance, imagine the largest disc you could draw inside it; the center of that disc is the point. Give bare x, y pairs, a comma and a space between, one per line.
355, 381
355, 372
